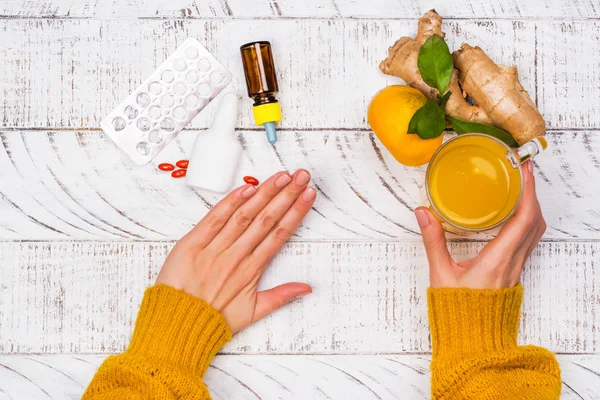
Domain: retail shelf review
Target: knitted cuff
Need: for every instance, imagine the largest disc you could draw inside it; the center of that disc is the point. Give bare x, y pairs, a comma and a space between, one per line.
179, 329
469, 321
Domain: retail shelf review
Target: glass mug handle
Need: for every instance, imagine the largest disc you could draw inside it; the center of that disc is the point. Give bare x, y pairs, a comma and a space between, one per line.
527, 151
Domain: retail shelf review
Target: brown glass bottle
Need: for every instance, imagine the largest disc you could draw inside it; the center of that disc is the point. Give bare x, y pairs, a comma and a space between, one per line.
259, 70
261, 82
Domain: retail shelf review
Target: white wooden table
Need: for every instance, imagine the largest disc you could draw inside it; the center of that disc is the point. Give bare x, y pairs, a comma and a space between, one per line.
84, 231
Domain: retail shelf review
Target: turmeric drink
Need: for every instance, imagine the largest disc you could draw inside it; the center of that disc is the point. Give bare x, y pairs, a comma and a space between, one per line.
471, 182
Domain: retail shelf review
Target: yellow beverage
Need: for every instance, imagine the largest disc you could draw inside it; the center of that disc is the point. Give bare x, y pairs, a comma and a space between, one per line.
472, 183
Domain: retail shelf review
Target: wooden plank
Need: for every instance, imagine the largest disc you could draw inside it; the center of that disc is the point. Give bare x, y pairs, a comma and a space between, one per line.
385, 377
568, 87
61, 185
71, 73
534, 9
292, 9
369, 297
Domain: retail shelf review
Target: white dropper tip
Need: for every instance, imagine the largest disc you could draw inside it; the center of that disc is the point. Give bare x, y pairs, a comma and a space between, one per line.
227, 114
271, 132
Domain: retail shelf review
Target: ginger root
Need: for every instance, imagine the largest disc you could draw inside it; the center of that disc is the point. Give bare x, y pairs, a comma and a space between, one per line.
500, 98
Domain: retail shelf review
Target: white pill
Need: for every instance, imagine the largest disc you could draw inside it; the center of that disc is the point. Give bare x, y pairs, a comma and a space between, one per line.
167, 76
192, 76
180, 112
143, 124
155, 112
179, 64
155, 137
119, 123
216, 77
191, 52
179, 88
155, 88
143, 100
204, 89
192, 101
167, 125
143, 148
203, 64
167, 100
131, 112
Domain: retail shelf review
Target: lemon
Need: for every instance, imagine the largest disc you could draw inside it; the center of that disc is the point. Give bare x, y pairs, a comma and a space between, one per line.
389, 113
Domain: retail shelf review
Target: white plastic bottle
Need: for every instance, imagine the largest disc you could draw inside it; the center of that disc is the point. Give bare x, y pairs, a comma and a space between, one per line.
216, 153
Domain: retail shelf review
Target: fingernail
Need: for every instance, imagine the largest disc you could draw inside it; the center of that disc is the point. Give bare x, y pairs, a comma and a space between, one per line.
283, 180
309, 194
248, 192
422, 218
530, 166
302, 178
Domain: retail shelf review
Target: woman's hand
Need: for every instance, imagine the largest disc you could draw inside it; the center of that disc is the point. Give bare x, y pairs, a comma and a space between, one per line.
222, 259
500, 263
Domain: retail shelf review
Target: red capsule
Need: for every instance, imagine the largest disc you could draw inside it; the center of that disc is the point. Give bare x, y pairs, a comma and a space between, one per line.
182, 163
250, 180
166, 167
180, 173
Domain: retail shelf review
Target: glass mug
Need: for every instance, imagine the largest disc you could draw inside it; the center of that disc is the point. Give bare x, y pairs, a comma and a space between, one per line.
474, 182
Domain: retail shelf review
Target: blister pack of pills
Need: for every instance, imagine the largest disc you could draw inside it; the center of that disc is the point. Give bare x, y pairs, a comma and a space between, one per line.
166, 102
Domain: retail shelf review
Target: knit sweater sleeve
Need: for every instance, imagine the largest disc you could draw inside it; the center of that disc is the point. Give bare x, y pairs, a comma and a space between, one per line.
175, 338
475, 351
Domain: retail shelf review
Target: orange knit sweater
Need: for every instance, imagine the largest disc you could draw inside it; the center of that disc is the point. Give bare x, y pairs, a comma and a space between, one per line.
475, 353
474, 335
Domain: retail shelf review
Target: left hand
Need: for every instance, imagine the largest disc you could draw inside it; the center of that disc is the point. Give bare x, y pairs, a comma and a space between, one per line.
222, 259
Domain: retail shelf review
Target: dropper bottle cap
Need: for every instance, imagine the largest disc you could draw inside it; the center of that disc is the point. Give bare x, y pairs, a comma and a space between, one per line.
261, 81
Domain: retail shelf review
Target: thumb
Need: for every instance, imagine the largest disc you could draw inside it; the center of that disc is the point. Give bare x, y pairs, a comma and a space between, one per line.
270, 300
433, 239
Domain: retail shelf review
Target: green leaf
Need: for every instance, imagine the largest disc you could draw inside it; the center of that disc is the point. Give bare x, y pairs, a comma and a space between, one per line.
428, 122
412, 124
461, 127
435, 63
444, 99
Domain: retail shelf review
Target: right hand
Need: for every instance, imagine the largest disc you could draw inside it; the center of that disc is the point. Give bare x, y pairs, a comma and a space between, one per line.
222, 259
500, 263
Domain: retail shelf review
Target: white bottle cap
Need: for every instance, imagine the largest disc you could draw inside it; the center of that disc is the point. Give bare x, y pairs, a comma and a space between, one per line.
227, 114
215, 157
